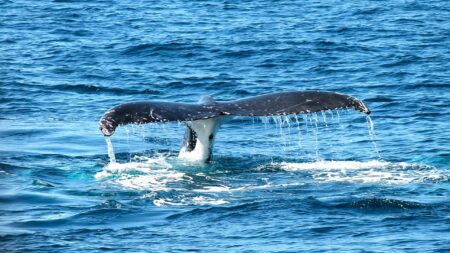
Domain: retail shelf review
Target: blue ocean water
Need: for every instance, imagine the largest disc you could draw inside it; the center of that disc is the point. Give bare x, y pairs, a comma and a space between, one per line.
312, 183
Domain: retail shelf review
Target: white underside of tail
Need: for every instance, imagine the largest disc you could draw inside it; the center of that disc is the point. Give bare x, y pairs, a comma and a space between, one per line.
204, 128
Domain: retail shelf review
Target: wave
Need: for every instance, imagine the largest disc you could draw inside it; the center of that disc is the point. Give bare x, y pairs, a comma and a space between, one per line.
430, 85
239, 53
368, 172
78, 88
94, 89
155, 48
31, 198
381, 203
196, 201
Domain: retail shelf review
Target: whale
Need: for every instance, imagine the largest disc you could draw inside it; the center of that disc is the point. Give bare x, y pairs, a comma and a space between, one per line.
203, 119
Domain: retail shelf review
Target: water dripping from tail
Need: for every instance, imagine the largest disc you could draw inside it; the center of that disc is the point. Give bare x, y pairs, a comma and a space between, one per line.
372, 135
112, 156
316, 135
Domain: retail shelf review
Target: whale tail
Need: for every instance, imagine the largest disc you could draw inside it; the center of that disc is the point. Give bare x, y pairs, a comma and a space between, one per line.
204, 118
283, 103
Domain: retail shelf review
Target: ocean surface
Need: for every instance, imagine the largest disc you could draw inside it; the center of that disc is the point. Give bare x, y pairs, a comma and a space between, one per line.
322, 182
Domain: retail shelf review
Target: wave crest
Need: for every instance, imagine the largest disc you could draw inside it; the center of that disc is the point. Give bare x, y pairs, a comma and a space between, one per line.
368, 172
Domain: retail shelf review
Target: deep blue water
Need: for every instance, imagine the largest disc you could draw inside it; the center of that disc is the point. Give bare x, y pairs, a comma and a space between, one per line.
314, 184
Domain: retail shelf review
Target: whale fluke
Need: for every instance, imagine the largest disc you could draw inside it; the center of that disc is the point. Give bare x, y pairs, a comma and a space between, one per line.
205, 118
282, 103
142, 112
297, 102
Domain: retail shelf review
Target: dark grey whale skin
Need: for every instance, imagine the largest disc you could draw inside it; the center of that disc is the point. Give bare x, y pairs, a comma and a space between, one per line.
281, 103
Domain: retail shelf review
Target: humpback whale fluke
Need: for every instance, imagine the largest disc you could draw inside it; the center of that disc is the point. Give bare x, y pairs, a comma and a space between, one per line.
204, 118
